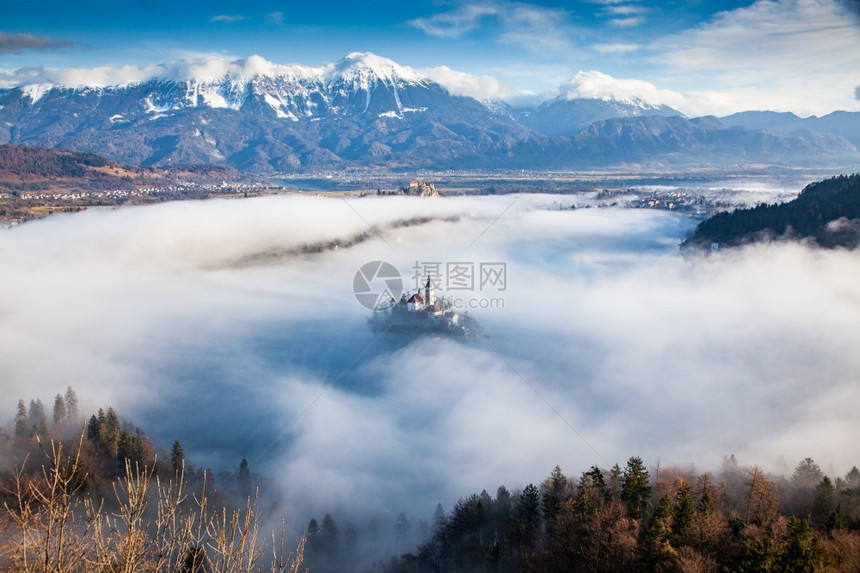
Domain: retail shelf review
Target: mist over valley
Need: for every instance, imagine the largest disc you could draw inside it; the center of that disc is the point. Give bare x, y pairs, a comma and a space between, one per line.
607, 342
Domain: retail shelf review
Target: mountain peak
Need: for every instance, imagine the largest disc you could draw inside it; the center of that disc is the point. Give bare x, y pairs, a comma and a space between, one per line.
597, 85
367, 66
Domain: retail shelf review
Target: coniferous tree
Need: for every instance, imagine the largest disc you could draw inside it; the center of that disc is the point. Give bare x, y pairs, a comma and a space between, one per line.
615, 479
71, 400
803, 552
684, 509
177, 457
636, 488
439, 518
36, 418
528, 520
401, 526
59, 409
93, 430
836, 520
657, 548
244, 479
22, 426
313, 536
129, 448
852, 478
329, 536
823, 501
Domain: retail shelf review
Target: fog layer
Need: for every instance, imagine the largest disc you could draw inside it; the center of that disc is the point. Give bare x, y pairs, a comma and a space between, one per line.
219, 324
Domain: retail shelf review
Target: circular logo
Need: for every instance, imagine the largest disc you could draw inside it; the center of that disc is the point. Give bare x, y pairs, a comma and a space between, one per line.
377, 285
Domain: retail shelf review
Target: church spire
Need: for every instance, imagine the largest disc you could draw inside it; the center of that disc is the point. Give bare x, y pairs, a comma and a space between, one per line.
429, 296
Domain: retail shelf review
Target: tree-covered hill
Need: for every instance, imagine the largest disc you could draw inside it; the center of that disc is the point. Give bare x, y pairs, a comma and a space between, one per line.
41, 163
826, 212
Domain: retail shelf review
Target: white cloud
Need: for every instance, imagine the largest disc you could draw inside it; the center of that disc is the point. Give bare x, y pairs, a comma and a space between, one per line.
521, 24
597, 85
616, 48
276, 18
784, 55
227, 18
622, 13
456, 22
483, 87
202, 67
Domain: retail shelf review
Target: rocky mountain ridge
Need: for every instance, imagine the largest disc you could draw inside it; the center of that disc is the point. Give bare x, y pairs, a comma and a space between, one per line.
369, 111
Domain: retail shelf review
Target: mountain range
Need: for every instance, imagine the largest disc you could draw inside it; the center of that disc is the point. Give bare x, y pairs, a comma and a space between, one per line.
366, 110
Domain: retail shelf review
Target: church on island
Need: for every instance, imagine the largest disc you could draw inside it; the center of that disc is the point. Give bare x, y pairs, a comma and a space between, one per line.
422, 312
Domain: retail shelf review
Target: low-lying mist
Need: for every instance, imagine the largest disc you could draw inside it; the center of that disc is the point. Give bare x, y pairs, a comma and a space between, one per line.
231, 326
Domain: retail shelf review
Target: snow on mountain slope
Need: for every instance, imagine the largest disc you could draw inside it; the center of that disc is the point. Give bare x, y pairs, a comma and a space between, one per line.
291, 91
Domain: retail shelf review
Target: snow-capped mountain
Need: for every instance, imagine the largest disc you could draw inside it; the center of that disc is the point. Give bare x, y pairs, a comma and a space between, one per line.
564, 116
292, 92
362, 110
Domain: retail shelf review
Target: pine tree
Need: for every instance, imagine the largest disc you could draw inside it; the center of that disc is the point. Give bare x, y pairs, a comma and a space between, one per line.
71, 404
528, 515
823, 501
803, 552
313, 533
684, 509
59, 409
329, 536
401, 526
656, 547
22, 426
36, 418
706, 504
636, 488
836, 520
439, 518
109, 431
555, 494
129, 448
93, 430
244, 478
583, 508
177, 457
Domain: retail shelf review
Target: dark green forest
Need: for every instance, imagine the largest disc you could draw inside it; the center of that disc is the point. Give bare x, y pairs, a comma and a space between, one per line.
632, 519
826, 213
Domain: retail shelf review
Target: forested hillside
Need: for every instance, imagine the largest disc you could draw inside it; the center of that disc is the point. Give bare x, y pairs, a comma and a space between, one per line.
630, 519
107, 499
93, 495
36, 162
827, 212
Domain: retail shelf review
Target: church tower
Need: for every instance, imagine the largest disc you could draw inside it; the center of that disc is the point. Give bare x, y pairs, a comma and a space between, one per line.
429, 295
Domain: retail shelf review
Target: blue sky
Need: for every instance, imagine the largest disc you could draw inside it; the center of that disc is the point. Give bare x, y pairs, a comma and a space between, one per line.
702, 57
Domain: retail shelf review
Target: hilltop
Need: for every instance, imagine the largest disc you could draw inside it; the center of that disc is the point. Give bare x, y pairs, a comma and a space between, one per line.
35, 182
826, 212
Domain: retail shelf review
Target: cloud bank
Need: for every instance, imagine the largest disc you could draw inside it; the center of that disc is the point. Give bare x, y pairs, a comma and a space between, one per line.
519, 23
17, 43
202, 323
597, 85
781, 55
